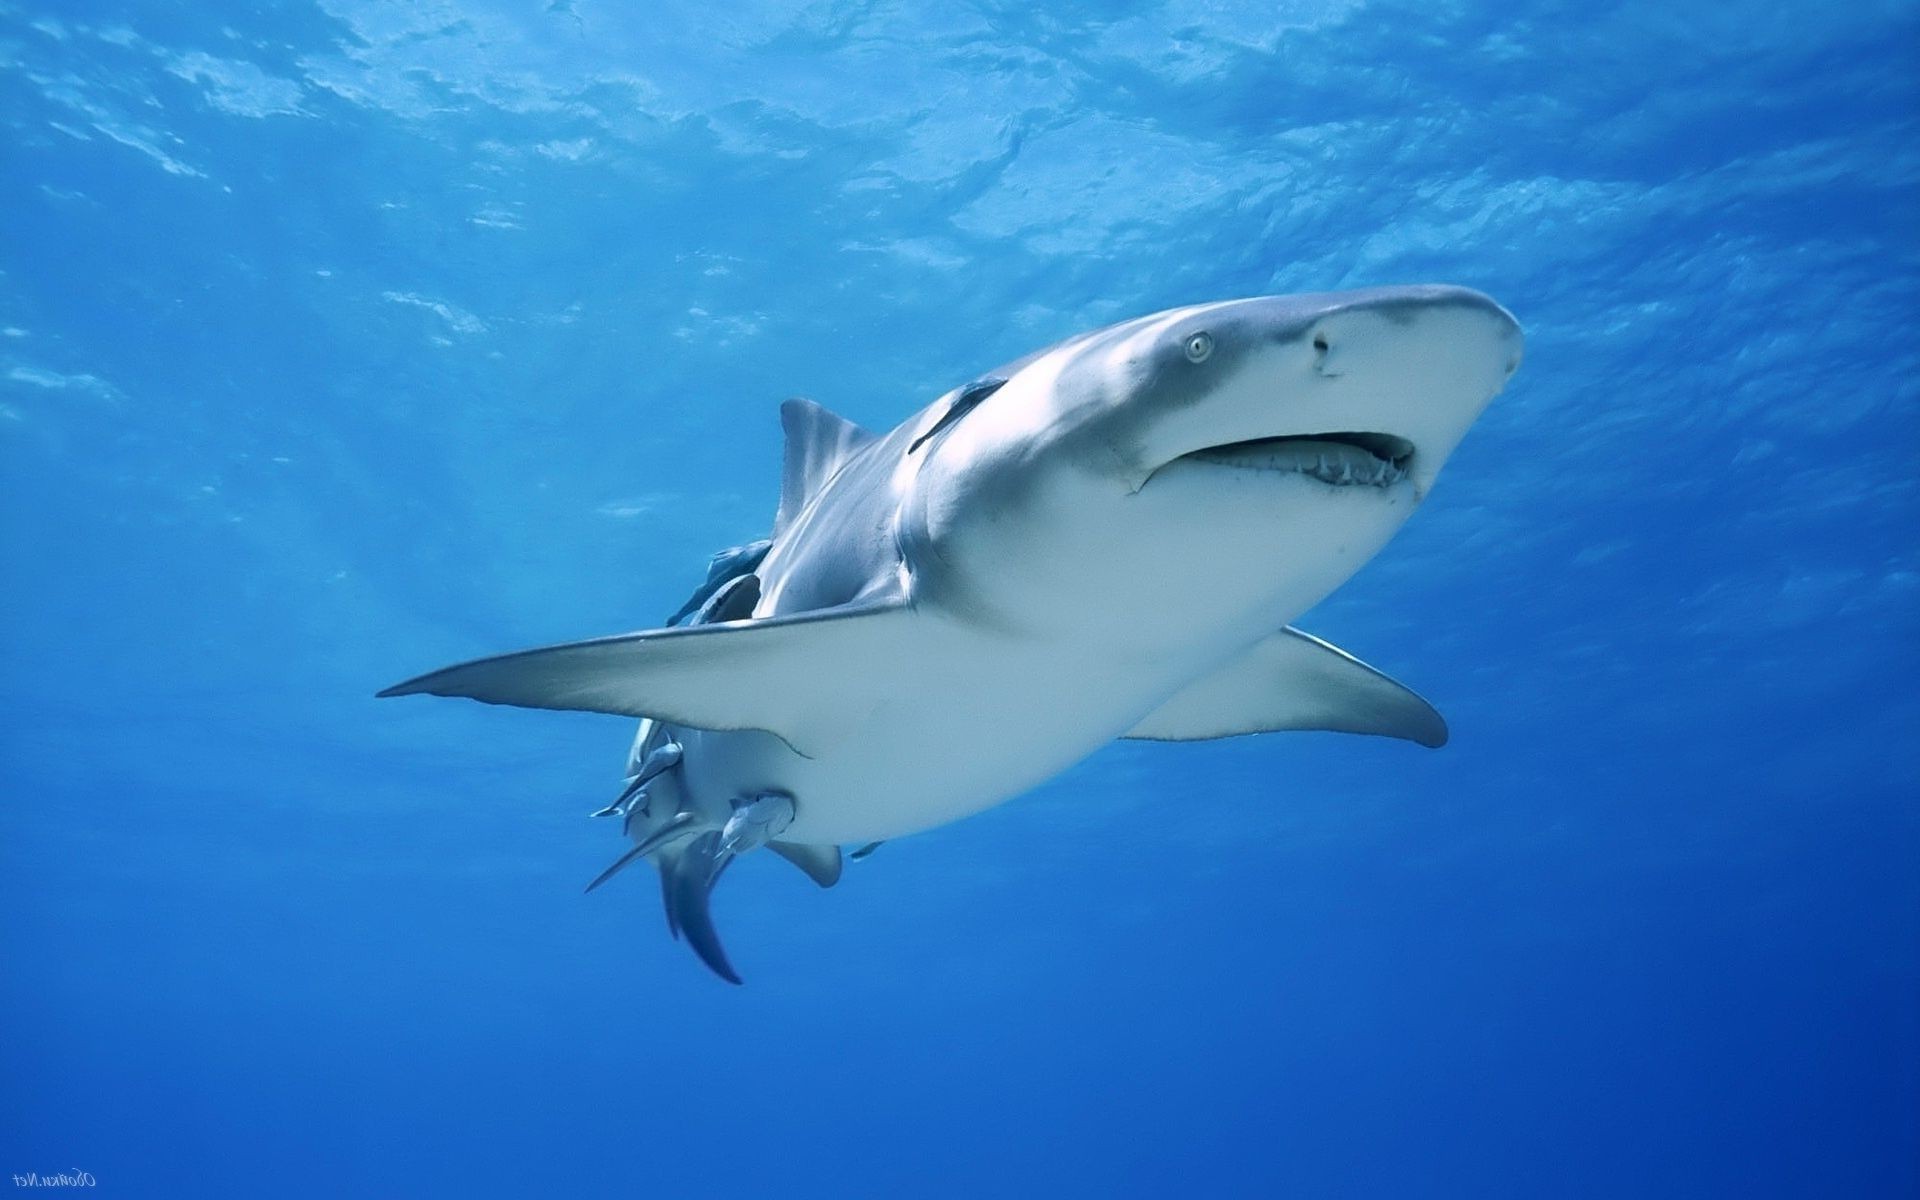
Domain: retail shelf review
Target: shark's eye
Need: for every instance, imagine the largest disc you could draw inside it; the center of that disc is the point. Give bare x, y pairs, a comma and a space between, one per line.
1199, 346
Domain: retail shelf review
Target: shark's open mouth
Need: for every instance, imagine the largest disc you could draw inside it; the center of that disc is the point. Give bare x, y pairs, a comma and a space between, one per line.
1341, 459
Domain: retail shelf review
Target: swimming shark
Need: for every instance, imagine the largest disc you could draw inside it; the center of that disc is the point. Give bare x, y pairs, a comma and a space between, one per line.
1108, 538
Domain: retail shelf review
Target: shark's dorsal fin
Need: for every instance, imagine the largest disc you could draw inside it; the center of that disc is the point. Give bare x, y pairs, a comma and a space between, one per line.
1293, 680
819, 442
803, 678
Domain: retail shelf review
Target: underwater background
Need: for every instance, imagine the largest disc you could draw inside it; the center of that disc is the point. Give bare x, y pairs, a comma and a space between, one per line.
343, 340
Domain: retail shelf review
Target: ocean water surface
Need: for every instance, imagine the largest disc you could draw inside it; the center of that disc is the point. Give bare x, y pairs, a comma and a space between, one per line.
345, 339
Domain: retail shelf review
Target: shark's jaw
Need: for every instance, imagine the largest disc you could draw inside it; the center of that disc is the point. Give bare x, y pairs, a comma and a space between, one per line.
1341, 460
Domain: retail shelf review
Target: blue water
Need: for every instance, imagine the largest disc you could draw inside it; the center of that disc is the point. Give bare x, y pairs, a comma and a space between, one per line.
344, 340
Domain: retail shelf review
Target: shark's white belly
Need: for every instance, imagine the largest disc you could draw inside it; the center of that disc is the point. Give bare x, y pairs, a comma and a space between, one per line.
977, 719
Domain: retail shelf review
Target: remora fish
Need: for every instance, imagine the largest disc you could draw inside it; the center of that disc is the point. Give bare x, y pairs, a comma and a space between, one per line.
1107, 538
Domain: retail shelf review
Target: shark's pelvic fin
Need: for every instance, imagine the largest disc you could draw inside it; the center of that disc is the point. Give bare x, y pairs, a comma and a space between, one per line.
821, 863
798, 677
819, 443
1293, 680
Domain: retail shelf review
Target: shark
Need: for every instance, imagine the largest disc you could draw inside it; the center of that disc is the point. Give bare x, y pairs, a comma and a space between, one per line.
1108, 538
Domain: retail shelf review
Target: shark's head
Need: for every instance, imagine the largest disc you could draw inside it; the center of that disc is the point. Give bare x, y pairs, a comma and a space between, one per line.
1226, 463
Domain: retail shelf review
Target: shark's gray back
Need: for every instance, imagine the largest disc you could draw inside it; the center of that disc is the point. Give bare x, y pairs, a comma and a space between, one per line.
836, 536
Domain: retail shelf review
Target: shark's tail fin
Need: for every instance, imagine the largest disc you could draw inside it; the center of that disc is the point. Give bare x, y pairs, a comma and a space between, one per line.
690, 869
689, 876
692, 853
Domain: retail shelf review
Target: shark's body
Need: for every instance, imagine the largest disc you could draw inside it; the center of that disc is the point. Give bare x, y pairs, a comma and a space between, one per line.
1107, 538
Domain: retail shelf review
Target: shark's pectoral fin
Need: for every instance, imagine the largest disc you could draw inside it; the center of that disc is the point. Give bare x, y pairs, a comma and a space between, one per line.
821, 863
799, 677
1293, 680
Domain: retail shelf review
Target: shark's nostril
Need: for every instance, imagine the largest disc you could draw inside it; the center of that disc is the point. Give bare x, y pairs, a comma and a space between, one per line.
1322, 346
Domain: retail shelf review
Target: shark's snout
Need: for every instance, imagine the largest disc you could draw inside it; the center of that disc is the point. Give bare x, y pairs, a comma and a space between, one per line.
1417, 364
1368, 388
1412, 324
1374, 320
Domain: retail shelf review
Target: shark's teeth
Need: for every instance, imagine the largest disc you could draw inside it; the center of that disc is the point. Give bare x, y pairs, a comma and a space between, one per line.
1334, 462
